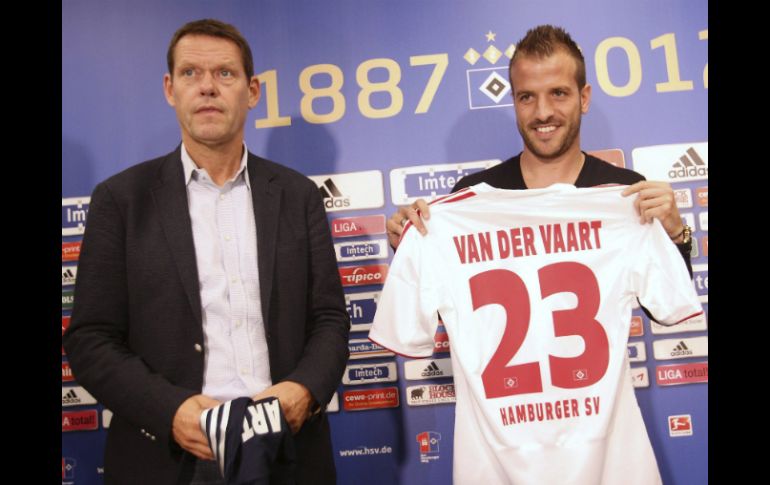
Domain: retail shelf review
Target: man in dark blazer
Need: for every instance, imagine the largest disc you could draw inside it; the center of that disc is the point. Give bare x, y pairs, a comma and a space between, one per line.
173, 299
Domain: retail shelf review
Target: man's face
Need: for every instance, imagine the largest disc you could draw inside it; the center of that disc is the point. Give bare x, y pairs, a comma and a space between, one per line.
209, 90
548, 103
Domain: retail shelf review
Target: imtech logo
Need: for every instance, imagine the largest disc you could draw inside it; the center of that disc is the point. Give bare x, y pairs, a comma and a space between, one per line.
361, 308
675, 163
351, 191
74, 211
360, 250
369, 373
373, 274
408, 184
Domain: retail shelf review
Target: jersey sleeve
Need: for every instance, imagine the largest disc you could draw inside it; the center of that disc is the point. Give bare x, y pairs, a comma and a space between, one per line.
407, 317
660, 278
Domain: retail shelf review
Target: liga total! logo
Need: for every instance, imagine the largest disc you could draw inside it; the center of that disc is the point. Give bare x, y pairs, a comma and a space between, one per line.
79, 420
358, 226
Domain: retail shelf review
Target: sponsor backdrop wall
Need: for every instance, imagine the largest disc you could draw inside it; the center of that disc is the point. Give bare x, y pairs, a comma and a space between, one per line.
381, 102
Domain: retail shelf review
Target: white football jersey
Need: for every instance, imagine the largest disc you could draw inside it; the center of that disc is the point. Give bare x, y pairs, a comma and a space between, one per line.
536, 288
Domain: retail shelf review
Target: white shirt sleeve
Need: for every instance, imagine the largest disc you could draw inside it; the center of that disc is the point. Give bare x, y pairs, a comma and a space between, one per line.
660, 279
407, 317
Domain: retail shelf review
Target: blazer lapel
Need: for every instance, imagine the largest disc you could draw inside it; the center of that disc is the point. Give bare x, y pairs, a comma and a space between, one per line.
266, 196
170, 197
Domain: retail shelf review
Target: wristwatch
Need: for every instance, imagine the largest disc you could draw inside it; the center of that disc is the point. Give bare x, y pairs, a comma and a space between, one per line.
686, 238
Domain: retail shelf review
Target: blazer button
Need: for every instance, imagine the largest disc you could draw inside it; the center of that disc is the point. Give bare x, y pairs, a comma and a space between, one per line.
198, 348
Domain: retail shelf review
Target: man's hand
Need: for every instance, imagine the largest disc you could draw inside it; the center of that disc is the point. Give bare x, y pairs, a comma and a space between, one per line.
656, 201
295, 401
397, 221
187, 428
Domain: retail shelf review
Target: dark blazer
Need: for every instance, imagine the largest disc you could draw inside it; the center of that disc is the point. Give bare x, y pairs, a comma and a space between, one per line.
136, 339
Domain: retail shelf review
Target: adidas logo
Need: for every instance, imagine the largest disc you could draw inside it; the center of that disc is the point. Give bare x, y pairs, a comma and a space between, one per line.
70, 398
432, 370
67, 276
332, 196
681, 349
689, 165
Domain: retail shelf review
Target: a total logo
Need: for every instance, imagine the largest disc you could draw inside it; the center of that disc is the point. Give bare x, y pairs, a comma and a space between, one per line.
691, 373
79, 420
350, 191
680, 425
427, 368
373, 274
675, 163
76, 396
68, 468
74, 211
428, 444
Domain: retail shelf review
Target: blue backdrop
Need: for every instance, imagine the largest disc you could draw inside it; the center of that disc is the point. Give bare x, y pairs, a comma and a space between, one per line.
385, 101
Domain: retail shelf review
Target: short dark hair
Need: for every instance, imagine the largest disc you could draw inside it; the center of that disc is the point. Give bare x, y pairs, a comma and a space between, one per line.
542, 41
212, 28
